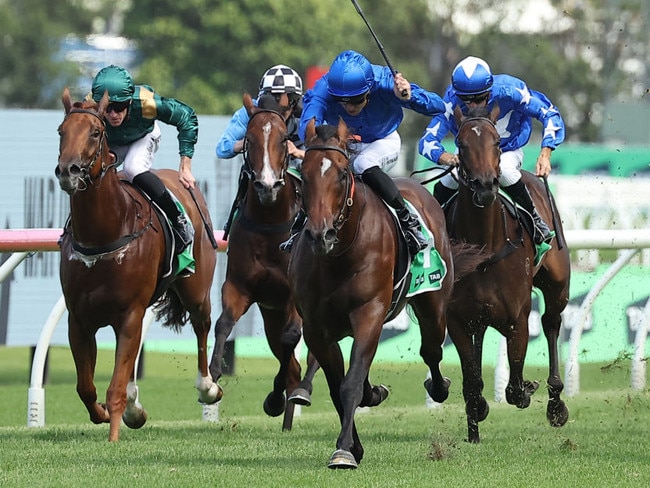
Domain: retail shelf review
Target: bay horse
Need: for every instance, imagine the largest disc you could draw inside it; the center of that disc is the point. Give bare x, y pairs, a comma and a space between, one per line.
112, 258
257, 270
342, 272
498, 294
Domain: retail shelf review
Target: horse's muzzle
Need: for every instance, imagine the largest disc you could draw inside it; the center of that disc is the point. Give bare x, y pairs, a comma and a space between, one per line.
68, 178
268, 194
321, 242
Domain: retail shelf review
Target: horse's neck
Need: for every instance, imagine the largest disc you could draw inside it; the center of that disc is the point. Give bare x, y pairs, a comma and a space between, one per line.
482, 226
100, 213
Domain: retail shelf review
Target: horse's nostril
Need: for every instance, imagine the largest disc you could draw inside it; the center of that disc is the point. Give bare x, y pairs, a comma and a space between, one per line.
57, 171
74, 170
258, 185
278, 185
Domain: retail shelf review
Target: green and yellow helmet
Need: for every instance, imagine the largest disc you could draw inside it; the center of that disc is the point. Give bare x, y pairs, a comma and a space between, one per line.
117, 81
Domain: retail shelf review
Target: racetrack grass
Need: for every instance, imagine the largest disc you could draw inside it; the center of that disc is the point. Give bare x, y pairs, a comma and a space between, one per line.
604, 444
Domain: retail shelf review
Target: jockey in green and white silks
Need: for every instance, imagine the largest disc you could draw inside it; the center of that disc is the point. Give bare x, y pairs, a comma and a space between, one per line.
133, 135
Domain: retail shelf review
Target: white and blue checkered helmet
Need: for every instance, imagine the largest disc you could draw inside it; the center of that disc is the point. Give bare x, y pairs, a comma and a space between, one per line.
281, 79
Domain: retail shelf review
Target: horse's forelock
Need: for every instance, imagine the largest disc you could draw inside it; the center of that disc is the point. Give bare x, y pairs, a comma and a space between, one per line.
325, 132
479, 111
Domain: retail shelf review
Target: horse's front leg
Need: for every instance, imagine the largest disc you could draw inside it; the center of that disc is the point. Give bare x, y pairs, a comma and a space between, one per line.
84, 352
233, 305
121, 406
518, 390
302, 394
476, 406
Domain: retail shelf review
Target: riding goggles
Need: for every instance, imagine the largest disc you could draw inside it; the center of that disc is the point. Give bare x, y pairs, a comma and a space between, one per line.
118, 107
355, 100
477, 98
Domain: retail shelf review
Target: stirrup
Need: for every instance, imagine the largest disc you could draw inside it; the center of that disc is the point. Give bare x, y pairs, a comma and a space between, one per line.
542, 233
183, 231
288, 244
415, 240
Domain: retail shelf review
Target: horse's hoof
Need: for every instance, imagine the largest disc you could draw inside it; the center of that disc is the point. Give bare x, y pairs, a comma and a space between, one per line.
382, 391
136, 419
272, 406
438, 396
342, 460
212, 396
530, 387
557, 413
300, 396
482, 410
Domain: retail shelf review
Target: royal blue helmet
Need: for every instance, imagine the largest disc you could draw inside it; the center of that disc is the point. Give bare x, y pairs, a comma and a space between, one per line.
349, 76
116, 81
471, 76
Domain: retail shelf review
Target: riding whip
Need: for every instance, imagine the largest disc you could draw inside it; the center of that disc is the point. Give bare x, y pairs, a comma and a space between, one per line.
205, 222
379, 44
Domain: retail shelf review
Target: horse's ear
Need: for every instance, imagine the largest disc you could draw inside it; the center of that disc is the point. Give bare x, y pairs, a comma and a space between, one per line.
248, 103
65, 98
458, 116
310, 132
342, 131
494, 113
103, 103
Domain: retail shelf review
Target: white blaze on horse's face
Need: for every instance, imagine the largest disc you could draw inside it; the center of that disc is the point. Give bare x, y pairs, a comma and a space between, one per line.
325, 165
477, 130
267, 175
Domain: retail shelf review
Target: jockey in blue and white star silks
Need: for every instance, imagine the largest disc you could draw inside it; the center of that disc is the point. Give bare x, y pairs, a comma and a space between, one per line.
472, 85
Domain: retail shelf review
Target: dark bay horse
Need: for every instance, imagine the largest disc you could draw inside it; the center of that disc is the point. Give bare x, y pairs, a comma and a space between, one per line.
499, 293
257, 269
342, 272
112, 258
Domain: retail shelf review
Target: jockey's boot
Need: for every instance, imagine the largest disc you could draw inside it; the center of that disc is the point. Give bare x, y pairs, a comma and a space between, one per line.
384, 186
296, 228
412, 231
155, 188
521, 196
442, 193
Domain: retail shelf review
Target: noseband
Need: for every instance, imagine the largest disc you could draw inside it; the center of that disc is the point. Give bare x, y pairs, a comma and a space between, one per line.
248, 168
473, 184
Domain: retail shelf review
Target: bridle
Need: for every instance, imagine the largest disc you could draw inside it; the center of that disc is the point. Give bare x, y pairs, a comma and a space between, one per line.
247, 167
86, 170
464, 178
346, 208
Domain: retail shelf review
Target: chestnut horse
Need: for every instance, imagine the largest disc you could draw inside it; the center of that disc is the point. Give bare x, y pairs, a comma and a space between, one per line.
257, 269
343, 272
499, 293
112, 257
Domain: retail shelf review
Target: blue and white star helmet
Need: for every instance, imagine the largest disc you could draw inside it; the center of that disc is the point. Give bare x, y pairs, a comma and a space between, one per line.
281, 79
471, 76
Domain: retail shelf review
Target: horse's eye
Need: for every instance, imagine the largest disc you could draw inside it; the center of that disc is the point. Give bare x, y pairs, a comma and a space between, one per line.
96, 133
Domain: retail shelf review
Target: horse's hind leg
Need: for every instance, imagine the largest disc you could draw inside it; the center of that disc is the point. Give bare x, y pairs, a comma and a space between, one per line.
209, 390
430, 313
84, 353
557, 412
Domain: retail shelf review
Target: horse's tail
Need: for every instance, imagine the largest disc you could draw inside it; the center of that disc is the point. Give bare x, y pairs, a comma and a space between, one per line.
171, 311
467, 258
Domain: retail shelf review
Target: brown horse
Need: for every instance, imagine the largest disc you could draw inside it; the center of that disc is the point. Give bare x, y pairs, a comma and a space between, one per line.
112, 258
499, 293
343, 271
257, 269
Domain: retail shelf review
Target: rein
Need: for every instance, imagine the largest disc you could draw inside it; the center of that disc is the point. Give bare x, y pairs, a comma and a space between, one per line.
86, 176
346, 209
248, 169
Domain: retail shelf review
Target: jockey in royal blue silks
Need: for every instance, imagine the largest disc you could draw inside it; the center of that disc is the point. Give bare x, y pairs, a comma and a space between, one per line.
472, 84
370, 99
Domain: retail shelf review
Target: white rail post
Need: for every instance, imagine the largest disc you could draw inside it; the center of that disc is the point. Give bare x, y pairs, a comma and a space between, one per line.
639, 361
572, 373
36, 393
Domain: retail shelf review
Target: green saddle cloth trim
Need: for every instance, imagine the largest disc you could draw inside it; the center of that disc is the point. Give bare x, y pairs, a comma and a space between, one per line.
542, 249
185, 259
428, 269
294, 172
